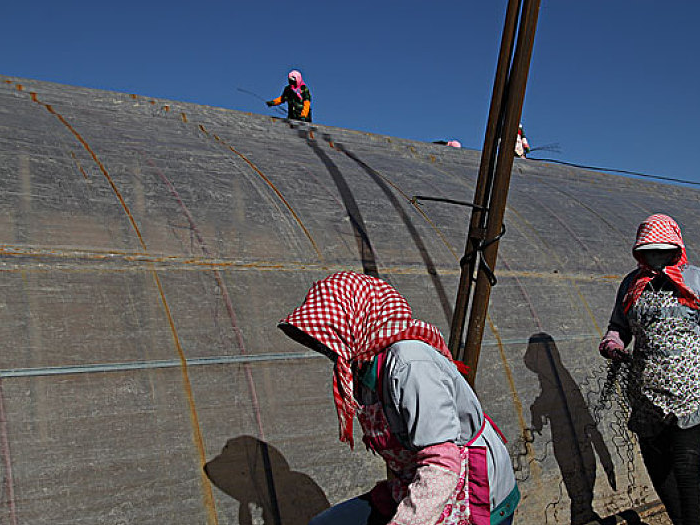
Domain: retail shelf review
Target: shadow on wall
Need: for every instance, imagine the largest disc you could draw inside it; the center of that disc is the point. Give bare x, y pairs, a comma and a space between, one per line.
366, 251
253, 472
575, 435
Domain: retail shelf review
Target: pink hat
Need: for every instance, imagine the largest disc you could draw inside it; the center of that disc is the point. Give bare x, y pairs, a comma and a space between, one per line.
454, 143
299, 82
297, 77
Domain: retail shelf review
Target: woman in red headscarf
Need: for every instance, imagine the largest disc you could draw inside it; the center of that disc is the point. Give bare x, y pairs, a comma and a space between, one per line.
415, 408
297, 96
659, 304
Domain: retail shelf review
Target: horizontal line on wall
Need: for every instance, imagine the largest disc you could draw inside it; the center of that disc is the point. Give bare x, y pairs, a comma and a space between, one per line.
222, 360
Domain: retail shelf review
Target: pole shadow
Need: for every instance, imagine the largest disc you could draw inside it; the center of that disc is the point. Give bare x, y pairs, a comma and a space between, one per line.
364, 245
367, 254
254, 472
575, 435
408, 222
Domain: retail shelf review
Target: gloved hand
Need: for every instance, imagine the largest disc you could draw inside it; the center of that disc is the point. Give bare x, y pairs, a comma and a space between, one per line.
612, 347
270, 103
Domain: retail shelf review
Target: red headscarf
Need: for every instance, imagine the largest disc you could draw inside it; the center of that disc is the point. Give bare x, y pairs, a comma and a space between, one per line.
663, 229
356, 316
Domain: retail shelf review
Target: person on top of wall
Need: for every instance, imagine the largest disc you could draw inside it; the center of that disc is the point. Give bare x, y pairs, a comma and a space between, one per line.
297, 96
451, 143
522, 147
659, 304
415, 408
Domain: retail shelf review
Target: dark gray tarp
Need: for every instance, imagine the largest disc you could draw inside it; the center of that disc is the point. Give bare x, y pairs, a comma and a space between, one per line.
149, 247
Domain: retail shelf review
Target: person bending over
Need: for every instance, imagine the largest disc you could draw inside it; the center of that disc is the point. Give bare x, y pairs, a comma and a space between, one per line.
448, 460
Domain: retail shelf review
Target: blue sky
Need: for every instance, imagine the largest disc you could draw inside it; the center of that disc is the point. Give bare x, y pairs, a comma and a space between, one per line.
613, 83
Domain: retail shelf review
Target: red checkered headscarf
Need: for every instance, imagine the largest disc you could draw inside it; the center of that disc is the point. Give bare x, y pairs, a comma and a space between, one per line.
355, 316
663, 229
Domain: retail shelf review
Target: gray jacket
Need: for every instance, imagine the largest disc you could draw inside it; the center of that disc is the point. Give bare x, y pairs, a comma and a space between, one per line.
427, 401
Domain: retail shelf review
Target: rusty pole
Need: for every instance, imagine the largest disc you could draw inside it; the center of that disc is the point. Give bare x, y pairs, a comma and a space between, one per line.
483, 185
499, 194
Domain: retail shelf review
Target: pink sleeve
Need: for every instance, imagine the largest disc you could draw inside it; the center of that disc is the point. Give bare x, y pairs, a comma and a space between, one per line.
427, 496
444, 455
436, 477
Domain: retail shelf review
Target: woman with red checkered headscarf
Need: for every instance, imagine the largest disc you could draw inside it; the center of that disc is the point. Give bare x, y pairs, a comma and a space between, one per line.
415, 409
659, 304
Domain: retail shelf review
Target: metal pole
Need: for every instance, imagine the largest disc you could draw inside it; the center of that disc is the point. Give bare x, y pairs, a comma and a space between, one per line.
488, 155
504, 165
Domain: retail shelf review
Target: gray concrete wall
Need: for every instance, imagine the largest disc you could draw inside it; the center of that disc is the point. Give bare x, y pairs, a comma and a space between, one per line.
148, 248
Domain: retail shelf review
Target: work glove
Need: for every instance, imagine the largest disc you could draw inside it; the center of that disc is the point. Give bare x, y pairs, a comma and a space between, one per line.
612, 347
270, 103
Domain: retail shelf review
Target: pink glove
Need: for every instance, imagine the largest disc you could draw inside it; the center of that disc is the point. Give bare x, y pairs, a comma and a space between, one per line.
612, 347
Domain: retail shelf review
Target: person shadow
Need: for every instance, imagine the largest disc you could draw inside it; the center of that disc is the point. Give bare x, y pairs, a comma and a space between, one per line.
575, 435
256, 473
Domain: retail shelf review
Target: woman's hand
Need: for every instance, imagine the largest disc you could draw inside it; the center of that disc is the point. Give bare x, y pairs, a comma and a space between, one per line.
612, 347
